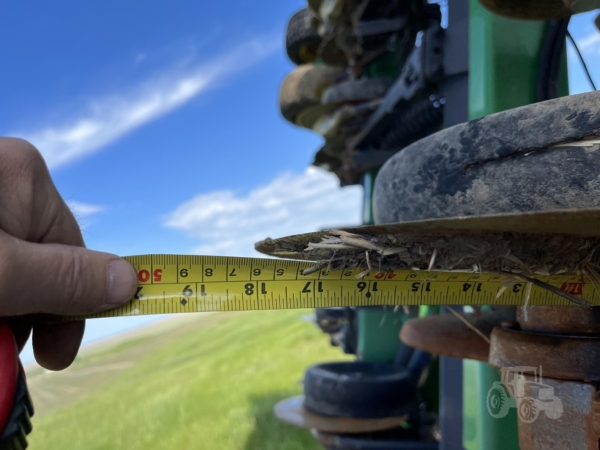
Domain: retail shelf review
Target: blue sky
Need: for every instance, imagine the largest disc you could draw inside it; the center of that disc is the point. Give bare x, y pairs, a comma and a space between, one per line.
160, 124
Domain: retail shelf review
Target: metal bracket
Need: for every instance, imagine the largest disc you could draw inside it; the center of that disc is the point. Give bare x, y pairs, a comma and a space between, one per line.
423, 68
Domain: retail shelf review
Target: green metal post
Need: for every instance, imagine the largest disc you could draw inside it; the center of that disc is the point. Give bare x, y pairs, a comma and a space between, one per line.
378, 328
504, 57
503, 62
379, 333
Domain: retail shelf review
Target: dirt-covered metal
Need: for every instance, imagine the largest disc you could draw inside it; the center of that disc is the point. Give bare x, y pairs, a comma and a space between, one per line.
544, 242
565, 345
561, 356
446, 335
574, 429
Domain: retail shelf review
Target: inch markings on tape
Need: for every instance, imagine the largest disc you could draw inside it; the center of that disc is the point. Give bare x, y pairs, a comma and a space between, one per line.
182, 284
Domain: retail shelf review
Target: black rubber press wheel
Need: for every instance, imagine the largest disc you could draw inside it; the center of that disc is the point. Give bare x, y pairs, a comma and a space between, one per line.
301, 40
538, 157
301, 91
358, 389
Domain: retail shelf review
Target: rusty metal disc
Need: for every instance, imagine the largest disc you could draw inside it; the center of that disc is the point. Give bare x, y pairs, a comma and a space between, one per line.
448, 336
292, 411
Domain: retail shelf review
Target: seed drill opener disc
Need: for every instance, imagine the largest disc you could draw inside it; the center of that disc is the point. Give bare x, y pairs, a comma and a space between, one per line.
543, 258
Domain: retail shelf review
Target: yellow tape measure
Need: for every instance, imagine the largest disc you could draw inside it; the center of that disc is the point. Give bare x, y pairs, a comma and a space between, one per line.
182, 284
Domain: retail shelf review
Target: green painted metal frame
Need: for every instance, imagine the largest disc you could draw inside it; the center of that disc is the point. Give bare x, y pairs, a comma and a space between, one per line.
378, 333
504, 59
378, 328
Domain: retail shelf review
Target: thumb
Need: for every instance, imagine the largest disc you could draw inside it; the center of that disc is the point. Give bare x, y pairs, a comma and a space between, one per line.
61, 279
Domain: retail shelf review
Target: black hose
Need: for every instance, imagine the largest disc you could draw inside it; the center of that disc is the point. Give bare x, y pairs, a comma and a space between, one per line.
551, 56
419, 361
403, 355
582, 60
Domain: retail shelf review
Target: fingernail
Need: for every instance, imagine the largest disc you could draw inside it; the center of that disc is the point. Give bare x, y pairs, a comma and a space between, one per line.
122, 282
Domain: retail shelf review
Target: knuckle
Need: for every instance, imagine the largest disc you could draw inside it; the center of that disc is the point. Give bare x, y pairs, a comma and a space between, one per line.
71, 272
22, 157
22, 150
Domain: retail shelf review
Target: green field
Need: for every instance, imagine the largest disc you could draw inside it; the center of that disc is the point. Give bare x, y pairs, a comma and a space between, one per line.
195, 382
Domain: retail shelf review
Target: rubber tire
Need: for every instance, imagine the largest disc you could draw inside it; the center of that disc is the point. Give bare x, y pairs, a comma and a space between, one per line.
302, 89
352, 91
503, 163
358, 389
301, 40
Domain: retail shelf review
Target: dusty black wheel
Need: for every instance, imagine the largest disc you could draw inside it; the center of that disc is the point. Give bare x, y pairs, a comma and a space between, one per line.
532, 158
358, 389
301, 91
301, 40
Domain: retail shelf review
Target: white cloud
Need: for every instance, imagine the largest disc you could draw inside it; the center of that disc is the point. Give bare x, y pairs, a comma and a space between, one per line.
229, 223
84, 210
109, 118
589, 43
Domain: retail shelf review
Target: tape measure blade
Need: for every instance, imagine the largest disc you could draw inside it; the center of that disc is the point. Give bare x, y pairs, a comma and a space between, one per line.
170, 284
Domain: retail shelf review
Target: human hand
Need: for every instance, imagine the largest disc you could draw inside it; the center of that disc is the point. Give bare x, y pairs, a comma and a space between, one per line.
44, 266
